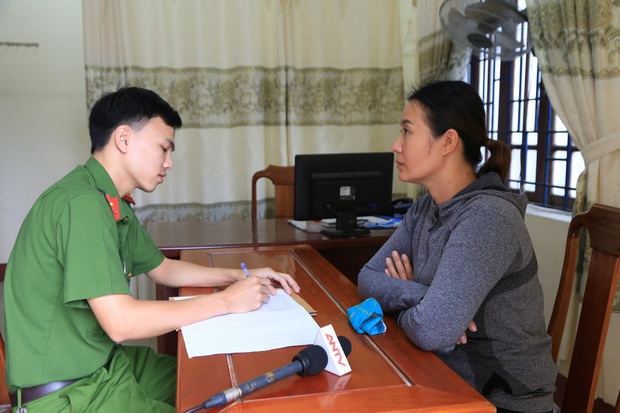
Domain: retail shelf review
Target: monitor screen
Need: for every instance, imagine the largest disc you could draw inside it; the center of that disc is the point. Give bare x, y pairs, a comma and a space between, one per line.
343, 186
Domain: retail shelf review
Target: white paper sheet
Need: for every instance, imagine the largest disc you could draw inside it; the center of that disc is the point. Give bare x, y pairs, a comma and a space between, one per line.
281, 322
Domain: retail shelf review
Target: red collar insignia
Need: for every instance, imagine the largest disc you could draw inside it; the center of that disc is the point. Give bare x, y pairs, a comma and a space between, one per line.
114, 206
113, 202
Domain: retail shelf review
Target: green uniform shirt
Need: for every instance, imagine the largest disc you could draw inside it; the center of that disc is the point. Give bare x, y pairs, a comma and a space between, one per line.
79, 241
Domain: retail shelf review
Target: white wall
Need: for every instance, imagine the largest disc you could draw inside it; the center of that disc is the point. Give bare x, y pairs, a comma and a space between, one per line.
43, 134
43, 127
548, 231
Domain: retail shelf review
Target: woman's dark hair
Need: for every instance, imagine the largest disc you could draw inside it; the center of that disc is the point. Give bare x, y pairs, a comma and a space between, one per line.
132, 106
457, 105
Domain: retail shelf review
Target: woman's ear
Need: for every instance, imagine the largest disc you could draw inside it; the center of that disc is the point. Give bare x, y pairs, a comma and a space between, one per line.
451, 140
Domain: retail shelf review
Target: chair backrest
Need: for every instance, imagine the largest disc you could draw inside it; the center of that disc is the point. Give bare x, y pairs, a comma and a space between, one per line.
4, 388
603, 226
283, 178
5, 402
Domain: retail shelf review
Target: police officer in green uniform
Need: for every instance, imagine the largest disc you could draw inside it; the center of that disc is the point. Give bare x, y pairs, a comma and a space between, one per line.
67, 297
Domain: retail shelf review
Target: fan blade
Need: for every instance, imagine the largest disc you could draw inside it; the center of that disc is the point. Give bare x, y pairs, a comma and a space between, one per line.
507, 42
467, 32
460, 24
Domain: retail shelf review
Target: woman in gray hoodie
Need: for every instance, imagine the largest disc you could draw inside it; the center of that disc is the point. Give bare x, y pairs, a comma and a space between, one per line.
460, 273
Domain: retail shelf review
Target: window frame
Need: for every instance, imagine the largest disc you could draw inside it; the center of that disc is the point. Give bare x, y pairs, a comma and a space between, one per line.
501, 104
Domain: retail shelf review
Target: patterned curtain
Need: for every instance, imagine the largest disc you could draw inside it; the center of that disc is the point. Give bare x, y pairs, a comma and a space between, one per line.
255, 81
577, 43
440, 59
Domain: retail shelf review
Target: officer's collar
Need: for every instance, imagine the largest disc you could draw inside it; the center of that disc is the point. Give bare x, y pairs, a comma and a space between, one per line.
106, 186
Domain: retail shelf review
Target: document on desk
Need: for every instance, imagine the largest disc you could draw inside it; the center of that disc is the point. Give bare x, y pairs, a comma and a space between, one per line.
281, 322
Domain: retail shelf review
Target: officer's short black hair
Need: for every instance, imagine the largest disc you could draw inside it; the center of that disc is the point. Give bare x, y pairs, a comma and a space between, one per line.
132, 106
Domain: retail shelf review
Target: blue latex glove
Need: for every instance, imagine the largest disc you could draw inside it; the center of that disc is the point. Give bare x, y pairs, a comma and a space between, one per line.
367, 317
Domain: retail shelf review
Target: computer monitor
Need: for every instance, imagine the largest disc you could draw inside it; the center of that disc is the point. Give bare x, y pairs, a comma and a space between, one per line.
343, 186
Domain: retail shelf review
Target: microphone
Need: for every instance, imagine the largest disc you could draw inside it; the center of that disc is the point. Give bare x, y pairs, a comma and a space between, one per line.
345, 343
308, 362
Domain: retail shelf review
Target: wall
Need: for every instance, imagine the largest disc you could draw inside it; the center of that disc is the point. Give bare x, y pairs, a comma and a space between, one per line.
548, 232
43, 131
43, 125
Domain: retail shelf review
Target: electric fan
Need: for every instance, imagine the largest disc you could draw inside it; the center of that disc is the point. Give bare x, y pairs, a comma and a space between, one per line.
493, 28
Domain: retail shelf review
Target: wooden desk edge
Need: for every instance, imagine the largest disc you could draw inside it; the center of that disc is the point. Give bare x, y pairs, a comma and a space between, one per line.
400, 398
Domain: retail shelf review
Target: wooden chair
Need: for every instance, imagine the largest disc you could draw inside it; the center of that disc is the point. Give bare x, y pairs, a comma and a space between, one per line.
283, 178
603, 225
5, 402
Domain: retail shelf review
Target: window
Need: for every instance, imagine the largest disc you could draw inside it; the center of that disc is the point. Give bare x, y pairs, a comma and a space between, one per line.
545, 164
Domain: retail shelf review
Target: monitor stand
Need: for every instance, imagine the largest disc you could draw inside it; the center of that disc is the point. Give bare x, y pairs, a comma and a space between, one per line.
346, 226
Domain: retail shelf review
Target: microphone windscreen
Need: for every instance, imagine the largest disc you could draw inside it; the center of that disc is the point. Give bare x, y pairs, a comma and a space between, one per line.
345, 343
313, 359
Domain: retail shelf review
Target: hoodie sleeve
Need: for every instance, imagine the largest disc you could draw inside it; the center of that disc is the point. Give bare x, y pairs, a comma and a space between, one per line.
394, 295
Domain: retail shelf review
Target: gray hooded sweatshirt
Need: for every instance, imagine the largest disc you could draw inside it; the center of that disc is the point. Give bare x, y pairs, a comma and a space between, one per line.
472, 260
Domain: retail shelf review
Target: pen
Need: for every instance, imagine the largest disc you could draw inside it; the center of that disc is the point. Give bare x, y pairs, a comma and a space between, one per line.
245, 270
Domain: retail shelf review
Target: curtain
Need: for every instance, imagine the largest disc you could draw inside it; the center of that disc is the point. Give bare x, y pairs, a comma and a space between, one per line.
577, 46
439, 58
255, 81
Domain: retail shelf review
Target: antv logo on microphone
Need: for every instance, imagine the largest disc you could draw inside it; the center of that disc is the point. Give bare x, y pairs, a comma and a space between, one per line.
337, 362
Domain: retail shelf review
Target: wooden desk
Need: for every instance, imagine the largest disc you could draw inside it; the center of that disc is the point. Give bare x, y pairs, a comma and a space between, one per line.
347, 254
389, 373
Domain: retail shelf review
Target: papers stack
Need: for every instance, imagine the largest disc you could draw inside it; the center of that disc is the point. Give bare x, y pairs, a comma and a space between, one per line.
282, 322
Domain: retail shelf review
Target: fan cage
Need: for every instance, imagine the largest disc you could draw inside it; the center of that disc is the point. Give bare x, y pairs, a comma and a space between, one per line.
482, 25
